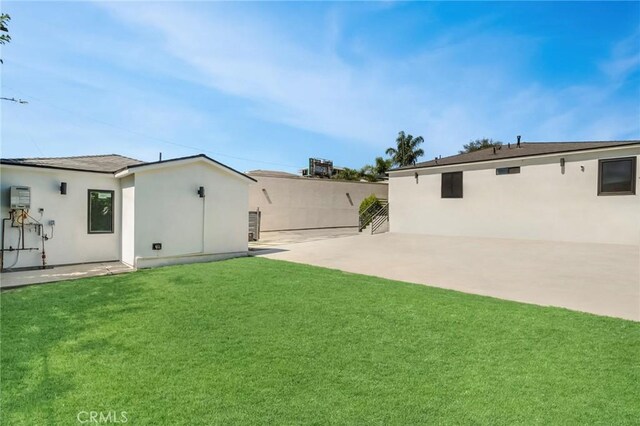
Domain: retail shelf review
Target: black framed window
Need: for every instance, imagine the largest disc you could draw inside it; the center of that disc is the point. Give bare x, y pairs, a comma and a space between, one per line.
100, 217
617, 176
452, 185
508, 170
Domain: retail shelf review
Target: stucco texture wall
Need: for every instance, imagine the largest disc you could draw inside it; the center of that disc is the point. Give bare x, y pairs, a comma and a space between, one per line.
303, 203
542, 202
169, 211
71, 243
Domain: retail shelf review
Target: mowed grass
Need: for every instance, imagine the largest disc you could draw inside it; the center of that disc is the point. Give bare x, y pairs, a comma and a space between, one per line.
256, 341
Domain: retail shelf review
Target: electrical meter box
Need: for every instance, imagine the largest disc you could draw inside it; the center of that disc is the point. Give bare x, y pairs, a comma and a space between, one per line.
20, 197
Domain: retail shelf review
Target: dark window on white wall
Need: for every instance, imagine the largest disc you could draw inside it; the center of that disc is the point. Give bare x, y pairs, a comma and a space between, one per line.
100, 215
617, 176
452, 185
507, 170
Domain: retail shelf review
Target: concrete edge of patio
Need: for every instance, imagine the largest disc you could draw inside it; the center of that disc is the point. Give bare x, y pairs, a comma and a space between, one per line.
17, 279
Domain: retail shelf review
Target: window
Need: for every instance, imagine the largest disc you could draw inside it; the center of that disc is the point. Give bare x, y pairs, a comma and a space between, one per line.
507, 170
452, 185
100, 212
617, 176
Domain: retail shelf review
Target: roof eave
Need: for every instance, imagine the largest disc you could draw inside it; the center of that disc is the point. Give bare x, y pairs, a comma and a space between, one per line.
125, 171
548, 154
42, 166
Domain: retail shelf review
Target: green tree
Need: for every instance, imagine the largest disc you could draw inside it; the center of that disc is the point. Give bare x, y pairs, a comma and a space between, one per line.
479, 144
4, 22
406, 152
348, 174
378, 170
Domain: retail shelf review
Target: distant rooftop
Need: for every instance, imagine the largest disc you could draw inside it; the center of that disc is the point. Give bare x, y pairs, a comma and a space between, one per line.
272, 173
526, 149
93, 163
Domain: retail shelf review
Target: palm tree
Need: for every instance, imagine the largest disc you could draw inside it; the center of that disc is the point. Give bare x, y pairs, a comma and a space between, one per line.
406, 152
382, 166
378, 170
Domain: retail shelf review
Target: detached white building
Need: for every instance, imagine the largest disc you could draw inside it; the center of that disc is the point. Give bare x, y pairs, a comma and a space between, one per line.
565, 191
109, 207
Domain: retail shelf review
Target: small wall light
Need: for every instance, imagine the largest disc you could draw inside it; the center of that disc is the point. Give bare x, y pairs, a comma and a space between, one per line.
63, 188
416, 176
201, 192
562, 162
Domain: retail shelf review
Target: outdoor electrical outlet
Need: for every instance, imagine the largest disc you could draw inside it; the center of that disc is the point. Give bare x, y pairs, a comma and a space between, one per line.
52, 222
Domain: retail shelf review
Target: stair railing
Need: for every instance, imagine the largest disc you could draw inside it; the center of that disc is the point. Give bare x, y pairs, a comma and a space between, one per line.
370, 213
380, 218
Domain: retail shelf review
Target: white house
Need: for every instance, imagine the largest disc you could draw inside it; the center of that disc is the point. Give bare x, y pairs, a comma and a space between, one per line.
558, 191
109, 207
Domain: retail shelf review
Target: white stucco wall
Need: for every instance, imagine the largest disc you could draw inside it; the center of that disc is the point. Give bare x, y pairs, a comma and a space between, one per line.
540, 203
301, 203
71, 243
169, 211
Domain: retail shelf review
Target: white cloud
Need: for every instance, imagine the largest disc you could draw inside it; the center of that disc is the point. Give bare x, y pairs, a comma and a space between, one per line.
468, 82
449, 94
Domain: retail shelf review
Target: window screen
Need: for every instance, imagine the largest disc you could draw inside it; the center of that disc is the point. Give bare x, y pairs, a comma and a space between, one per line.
617, 176
452, 185
100, 211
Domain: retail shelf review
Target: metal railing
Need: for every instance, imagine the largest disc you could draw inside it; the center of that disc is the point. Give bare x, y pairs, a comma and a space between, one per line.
380, 218
372, 213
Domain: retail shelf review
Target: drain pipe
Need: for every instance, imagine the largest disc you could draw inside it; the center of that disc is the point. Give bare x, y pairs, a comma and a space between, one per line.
44, 255
201, 193
203, 222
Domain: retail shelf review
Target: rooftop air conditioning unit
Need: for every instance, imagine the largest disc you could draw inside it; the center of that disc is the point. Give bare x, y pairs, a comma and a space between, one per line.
20, 197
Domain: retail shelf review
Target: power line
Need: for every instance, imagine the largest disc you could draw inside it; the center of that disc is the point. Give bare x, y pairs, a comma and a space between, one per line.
20, 101
134, 132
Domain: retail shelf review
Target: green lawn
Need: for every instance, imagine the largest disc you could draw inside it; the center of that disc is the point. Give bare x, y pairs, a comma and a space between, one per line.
261, 341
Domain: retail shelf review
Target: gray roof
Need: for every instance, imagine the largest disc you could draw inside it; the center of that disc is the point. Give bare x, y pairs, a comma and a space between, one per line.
92, 163
526, 149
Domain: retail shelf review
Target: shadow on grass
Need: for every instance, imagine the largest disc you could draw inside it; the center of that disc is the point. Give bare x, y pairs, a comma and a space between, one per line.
36, 321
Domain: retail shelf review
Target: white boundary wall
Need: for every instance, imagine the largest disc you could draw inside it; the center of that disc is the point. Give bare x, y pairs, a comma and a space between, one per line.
290, 203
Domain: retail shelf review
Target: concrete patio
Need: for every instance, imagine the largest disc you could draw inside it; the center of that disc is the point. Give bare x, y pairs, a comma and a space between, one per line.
278, 238
602, 279
61, 273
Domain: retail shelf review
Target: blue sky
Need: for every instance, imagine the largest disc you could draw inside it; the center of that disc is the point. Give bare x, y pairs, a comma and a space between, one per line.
268, 85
